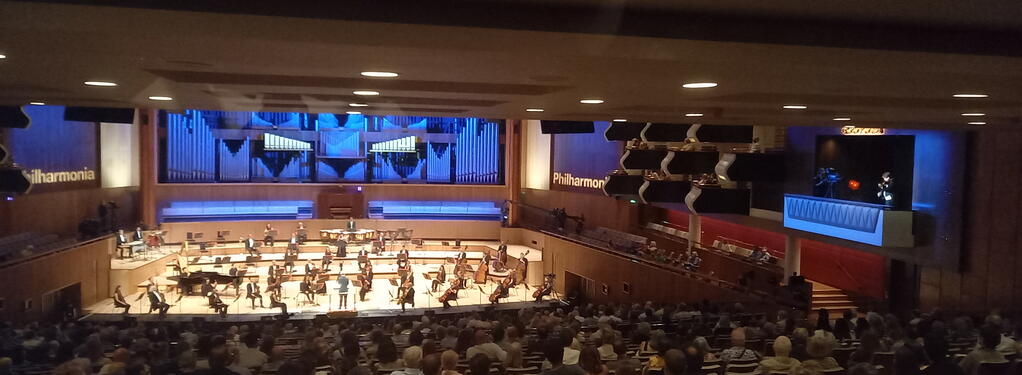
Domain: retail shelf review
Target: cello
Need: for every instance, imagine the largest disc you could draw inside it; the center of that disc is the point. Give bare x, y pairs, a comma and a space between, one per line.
546, 289
484, 268
502, 289
451, 292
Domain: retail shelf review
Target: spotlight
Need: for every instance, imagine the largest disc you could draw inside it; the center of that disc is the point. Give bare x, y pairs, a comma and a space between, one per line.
380, 74
100, 83
699, 85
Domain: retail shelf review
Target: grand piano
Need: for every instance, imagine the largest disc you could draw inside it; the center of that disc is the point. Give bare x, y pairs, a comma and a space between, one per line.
189, 281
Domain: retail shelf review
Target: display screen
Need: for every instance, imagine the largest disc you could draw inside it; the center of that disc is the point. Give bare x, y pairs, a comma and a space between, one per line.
853, 168
56, 154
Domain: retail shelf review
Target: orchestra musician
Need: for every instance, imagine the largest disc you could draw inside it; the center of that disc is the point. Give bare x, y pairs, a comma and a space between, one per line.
521, 269
502, 289
236, 283
342, 248
342, 290
484, 267
252, 293
327, 260
251, 246
268, 234
303, 234
310, 269
119, 300
363, 258
292, 244
365, 278
139, 235
451, 292
441, 277
404, 269
275, 302
306, 288
546, 289
403, 253
217, 304
157, 301
502, 256
406, 293
122, 244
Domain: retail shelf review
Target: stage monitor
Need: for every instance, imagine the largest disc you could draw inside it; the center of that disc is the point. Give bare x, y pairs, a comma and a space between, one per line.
566, 127
100, 114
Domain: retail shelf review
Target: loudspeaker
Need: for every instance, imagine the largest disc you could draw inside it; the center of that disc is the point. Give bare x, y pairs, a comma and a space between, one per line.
14, 181
4, 155
566, 127
98, 114
13, 117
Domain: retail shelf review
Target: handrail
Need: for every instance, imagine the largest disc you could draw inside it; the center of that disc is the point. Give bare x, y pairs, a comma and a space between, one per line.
15, 262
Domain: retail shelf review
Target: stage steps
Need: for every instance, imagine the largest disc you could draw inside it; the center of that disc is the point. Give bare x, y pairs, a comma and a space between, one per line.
833, 299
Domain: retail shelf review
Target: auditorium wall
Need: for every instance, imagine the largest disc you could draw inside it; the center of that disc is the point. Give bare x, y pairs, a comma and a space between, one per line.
990, 274
87, 265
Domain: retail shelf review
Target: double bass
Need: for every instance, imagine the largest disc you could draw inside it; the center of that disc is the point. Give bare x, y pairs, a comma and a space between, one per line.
484, 268
520, 270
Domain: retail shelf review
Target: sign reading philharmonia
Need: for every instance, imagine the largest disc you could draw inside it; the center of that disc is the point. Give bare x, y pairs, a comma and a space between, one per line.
567, 179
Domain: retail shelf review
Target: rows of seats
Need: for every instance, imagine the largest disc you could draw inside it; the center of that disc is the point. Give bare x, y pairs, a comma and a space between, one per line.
27, 244
237, 210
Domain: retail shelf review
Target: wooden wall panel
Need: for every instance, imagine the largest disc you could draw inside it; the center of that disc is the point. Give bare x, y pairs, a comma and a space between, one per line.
990, 275
598, 210
88, 264
60, 212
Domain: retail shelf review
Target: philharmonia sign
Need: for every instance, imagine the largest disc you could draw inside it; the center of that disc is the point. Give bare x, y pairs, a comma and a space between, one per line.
567, 179
37, 176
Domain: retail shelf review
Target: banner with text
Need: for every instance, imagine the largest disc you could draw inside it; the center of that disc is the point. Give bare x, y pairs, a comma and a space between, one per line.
581, 162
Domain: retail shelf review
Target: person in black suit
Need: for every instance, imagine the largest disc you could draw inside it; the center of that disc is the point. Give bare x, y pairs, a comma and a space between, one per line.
157, 302
272, 270
409, 293
363, 258
310, 269
251, 246
306, 288
342, 248
139, 236
303, 234
342, 290
119, 300
252, 293
292, 244
325, 263
268, 235
122, 244
441, 277
217, 304
275, 302
207, 287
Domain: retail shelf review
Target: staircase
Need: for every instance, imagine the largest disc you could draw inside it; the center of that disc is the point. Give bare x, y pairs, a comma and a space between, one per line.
831, 298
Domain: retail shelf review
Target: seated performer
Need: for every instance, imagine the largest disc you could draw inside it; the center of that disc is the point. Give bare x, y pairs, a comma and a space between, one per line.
122, 244
275, 302
404, 269
303, 234
119, 301
251, 246
546, 289
403, 253
310, 269
366, 280
139, 235
217, 304
306, 289
363, 258
268, 234
324, 264
272, 270
342, 290
441, 277
292, 244
502, 256
157, 301
252, 293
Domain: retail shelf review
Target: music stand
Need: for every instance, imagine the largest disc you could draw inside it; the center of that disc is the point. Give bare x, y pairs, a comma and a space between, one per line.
251, 259
221, 235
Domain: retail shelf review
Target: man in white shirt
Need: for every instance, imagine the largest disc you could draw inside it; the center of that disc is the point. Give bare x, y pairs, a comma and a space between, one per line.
484, 345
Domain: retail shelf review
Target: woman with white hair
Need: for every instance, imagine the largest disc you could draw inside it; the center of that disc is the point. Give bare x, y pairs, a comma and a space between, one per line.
820, 349
781, 361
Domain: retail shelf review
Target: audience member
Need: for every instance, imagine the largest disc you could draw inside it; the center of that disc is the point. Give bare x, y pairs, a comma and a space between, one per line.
781, 361
989, 338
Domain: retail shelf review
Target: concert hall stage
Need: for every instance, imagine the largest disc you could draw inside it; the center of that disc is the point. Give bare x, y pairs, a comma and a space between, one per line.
425, 261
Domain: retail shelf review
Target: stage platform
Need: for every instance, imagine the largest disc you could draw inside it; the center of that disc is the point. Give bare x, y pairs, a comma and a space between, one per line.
425, 261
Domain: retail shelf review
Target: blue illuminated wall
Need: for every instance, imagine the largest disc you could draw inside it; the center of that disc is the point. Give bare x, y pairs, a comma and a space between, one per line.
584, 155
218, 146
52, 145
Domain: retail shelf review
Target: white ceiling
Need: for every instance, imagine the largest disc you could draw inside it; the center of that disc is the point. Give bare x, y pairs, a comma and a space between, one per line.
250, 62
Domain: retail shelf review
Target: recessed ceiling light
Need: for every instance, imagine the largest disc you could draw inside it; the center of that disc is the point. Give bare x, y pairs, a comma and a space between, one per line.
380, 74
161, 98
699, 85
973, 114
794, 107
353, 112
2, 56
842, 119
977, 123
357, 105
36, 103
619, 120
366, 92
971, 95
534, 110
591, 101
100, 83
693, 115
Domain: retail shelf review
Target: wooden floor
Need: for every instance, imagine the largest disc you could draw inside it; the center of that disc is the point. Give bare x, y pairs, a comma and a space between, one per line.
380, 301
